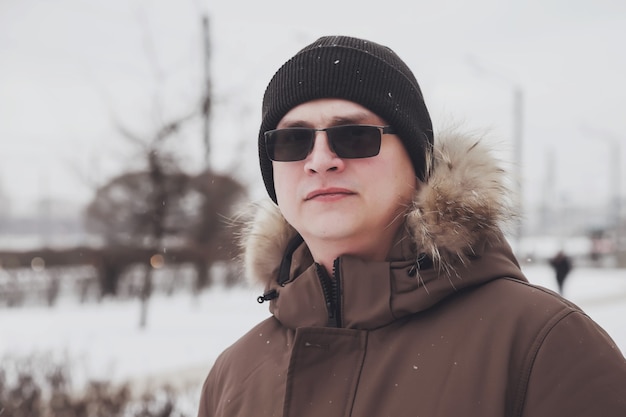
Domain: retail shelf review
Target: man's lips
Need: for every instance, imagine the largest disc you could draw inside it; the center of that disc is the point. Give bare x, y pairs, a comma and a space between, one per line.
328, 192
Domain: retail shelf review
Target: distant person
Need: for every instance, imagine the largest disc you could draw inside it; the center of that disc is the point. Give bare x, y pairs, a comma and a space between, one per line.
562, 266
392, 289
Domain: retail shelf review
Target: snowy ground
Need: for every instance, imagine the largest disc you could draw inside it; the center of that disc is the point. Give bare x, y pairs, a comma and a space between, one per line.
185, 334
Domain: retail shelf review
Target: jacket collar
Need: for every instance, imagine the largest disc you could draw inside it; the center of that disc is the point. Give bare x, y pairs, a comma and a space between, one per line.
455, 224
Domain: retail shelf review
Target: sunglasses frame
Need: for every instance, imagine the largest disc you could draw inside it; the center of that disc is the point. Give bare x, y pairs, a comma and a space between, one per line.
310, 141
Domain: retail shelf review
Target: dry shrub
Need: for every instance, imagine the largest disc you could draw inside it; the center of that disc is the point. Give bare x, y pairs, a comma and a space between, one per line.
37, 386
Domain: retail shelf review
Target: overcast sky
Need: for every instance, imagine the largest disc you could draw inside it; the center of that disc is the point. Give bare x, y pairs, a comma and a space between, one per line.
73, 70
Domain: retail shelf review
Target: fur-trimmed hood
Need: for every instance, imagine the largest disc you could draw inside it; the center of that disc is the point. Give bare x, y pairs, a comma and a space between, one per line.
465, 203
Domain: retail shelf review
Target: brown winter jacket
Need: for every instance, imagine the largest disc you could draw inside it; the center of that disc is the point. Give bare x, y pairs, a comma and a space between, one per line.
447, 326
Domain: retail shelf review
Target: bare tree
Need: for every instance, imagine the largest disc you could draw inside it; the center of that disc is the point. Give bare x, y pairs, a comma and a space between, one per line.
212, 232
164, 207
138, 204
150, 207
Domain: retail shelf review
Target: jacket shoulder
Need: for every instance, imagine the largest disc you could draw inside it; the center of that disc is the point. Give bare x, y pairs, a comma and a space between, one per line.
569, 364
253, 357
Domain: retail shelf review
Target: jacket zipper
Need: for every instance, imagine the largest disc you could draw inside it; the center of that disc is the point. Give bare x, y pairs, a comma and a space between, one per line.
331, 287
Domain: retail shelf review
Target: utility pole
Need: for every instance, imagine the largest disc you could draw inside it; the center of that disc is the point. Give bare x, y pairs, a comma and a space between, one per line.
615, 200
517, 139
548, 205
206, 99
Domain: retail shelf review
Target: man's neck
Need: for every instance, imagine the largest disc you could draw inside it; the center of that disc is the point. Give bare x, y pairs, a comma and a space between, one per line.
325, 253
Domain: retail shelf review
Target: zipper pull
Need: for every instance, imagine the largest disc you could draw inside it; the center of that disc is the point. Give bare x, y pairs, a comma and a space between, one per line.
268, 296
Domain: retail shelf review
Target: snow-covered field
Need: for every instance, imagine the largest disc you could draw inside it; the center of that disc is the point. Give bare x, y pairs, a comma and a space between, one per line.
184, 334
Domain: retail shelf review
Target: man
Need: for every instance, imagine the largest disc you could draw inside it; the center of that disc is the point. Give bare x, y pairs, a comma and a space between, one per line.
392, 289
562, 265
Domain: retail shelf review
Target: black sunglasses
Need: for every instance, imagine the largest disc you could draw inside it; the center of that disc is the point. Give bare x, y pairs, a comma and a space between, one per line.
346, 141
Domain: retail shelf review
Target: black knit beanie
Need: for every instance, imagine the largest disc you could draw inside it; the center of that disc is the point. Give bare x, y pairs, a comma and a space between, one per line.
357, 70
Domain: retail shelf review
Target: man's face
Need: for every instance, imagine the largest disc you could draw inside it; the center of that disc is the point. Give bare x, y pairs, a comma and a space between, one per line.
354, 203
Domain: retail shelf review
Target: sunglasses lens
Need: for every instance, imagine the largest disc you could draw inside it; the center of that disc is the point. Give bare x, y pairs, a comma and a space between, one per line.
355, 141
347, 141
292, 144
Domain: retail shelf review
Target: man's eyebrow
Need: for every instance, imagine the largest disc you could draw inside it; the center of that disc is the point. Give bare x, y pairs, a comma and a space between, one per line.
350, 119
354, 118
294, 123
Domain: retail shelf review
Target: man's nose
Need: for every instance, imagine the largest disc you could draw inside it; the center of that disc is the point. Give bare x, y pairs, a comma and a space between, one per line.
322, 158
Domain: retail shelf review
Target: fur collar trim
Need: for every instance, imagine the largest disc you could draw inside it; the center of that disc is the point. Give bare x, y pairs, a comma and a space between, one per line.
465, 203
